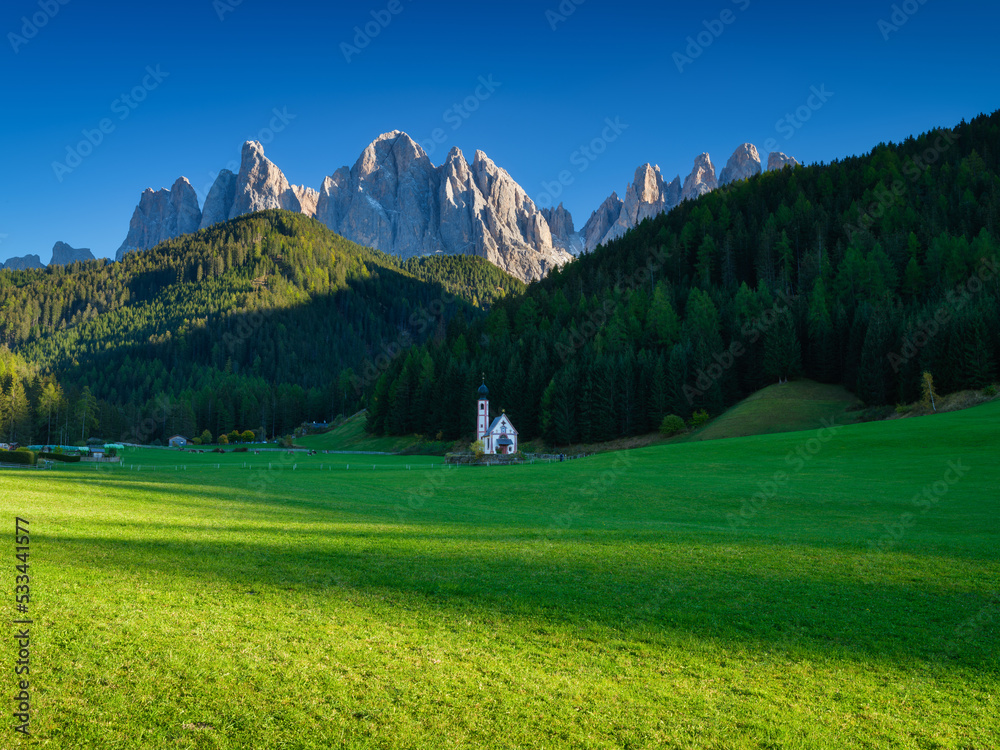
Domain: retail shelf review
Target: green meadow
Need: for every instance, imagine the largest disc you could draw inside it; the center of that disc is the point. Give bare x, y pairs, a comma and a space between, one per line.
788, 407
831, 588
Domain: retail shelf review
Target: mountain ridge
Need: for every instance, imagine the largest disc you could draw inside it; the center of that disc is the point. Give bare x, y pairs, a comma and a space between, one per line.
396, 200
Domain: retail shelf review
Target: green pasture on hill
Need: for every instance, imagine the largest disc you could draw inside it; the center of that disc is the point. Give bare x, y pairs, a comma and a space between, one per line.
351, 436
788, 407
834, 588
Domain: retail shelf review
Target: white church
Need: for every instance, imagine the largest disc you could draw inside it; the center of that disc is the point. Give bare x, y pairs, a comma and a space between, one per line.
499, 437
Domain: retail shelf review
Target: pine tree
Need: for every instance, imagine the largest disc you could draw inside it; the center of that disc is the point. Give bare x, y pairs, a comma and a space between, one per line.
664, 325
875, 382
821, 354
87, 412
20, 413
48, 407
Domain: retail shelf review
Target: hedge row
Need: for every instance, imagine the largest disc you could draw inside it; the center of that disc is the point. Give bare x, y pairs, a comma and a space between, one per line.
27, 458
60, 457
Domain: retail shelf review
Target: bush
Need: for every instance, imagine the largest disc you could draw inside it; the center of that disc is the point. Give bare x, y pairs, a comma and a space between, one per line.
206, 438
20, 456
219, 450
240, 449
902, 409
478, 450
223, 440
990, 390
60, 457
248, 436
671, 425
699, 418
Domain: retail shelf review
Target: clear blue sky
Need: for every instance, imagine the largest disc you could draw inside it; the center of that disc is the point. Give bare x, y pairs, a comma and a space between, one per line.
225, 77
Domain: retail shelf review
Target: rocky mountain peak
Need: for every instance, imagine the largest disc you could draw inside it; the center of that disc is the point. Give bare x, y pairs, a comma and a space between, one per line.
220, 199
778, 160
701, 180
742, 165
63, 254
162, 215
260, 185
23, 263
646, 196
601, 221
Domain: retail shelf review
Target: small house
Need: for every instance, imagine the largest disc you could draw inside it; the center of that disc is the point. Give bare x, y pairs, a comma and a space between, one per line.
178, 441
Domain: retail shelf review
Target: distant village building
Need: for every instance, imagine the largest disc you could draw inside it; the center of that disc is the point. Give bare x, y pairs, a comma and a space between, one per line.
178, 441
499, 436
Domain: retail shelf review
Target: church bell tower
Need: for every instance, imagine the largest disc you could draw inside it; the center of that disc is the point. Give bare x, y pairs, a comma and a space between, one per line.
483, 411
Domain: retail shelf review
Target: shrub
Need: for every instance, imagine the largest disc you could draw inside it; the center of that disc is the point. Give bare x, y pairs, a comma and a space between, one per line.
478, 449
248, 436
20, 456
219, 450
990, 390
206, 438
699, 418
902, 409
223, 440
929, 395
671, 425
240, 449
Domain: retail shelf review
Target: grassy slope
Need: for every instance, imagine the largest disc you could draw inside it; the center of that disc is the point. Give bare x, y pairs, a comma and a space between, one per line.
351, 436
619, 601
799, 405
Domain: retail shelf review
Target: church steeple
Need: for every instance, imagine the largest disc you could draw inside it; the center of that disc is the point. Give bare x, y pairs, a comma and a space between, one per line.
482, 410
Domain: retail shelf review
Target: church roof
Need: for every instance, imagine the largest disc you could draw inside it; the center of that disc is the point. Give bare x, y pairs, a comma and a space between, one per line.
497, 421
483, 391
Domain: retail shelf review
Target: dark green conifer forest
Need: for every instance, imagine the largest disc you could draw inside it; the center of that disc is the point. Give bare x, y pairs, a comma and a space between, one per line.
866, 272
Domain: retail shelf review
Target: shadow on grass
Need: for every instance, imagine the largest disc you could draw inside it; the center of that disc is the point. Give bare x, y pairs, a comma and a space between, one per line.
651, 597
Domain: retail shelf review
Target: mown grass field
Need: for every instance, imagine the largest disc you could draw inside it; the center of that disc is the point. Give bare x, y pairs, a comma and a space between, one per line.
646, 599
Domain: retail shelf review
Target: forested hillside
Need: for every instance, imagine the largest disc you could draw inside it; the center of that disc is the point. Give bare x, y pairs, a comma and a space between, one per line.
866, 272
259, 323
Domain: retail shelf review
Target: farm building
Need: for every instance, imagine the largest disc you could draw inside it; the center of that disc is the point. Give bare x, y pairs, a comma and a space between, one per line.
178, 441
